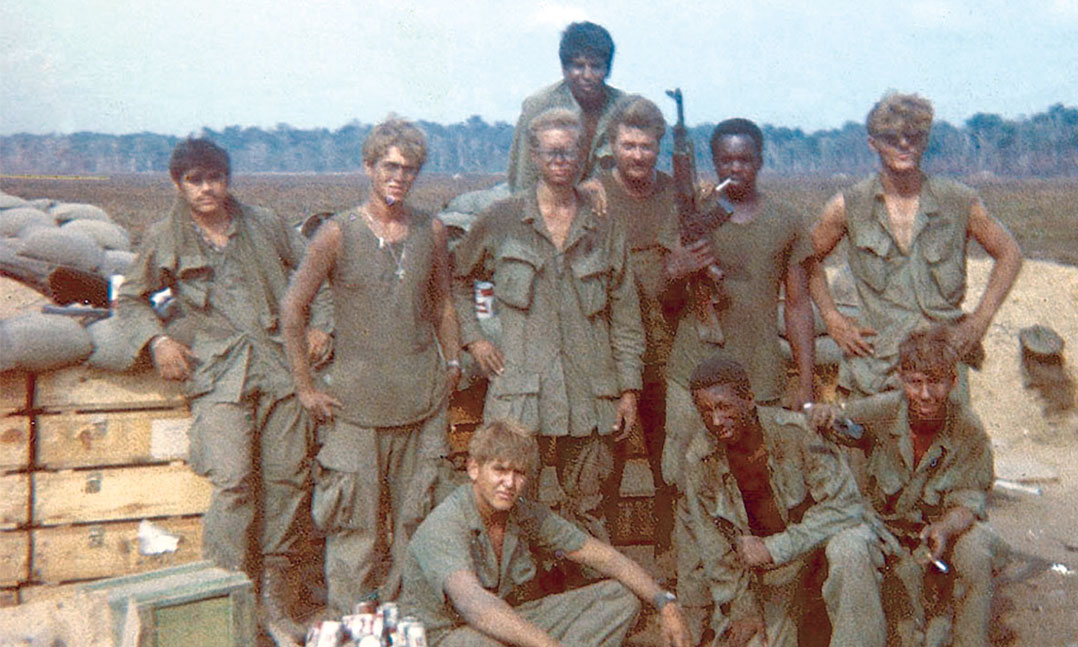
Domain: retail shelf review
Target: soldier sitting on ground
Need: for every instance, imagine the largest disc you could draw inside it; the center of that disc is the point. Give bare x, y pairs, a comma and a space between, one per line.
929, 468
471, 561
768, 500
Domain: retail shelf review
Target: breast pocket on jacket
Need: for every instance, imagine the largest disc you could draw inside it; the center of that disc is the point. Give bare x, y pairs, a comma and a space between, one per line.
592, 274
515, 271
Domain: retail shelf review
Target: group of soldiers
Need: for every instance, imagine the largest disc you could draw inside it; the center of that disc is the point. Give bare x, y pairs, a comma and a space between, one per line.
608, 322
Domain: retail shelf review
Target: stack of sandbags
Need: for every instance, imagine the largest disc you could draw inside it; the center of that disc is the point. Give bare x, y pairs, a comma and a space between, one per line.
59, 249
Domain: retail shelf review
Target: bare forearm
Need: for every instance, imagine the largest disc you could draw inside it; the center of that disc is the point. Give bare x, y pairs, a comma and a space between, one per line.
1000, 281
613, 564
294, 333
493, 617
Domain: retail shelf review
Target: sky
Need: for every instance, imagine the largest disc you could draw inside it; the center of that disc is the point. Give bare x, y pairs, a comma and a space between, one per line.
122, 66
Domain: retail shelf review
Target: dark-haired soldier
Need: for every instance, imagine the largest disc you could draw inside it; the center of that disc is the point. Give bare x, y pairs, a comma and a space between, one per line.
929, 468
767, 498
764, 248
908, 233
228, 265
586, 53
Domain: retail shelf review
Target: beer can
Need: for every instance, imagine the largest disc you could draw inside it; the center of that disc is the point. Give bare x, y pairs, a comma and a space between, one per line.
416, 635
484, 299
369, 640
366, 606
362, 624
390, 616
329, 634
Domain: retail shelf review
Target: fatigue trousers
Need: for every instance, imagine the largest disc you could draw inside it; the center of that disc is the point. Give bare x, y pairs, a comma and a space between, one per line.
257, 455
597, 615
371, 483
928, 608
851, 591
585, 466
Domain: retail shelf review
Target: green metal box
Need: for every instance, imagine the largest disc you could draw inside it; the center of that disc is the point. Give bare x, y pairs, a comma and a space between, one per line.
192, 604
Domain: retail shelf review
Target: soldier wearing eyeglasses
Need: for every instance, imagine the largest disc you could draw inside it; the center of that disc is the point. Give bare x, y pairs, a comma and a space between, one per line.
908, 233
586, 52
568, 363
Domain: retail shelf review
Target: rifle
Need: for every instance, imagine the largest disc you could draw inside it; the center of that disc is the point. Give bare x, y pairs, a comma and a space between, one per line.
697, 216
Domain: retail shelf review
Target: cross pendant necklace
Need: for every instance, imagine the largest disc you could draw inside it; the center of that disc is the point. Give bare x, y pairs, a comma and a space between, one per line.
388, 246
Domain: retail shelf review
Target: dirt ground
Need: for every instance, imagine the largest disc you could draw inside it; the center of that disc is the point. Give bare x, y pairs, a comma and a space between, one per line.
1032, 447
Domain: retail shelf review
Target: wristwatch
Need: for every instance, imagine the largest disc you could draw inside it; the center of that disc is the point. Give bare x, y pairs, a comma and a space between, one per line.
662, 598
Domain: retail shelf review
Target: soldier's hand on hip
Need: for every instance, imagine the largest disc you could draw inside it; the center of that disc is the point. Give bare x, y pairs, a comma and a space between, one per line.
318, 404
850, 335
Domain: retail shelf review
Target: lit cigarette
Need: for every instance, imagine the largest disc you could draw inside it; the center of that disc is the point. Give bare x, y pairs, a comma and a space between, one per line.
940, 565
723, 184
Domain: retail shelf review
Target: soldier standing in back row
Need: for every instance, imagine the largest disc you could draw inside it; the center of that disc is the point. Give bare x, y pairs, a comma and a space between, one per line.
586, 52
568, 365
395, 362
908, 233
227, 265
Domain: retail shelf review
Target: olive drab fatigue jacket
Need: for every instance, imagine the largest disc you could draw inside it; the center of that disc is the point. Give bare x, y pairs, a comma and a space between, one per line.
814, 491
570, 319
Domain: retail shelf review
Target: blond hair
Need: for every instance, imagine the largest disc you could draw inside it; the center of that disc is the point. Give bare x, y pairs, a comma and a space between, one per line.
553, 119
399, 132
505, 440
900, 113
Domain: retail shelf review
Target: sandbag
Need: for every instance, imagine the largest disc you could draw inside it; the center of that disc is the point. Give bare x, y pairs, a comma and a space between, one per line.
67, 211
114, 349
476, 201
14, 221
7, 201
64, 248
39, 342
116, 262
44, 204
107, 234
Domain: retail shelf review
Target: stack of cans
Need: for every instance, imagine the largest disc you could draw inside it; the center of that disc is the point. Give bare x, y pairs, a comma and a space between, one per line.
369, 626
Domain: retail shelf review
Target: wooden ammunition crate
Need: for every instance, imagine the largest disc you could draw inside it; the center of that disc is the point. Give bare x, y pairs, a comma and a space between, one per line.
14, 557
102, 438
93, 551
14, 391
14, 442
79, 388
14, 500
117, 493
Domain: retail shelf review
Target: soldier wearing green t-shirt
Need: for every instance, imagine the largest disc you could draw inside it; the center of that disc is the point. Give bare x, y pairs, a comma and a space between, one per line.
908, 233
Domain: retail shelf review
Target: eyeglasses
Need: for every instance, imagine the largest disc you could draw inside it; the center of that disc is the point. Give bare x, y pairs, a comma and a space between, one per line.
583, 67
548, 155
396, 168
897, 139
209, 177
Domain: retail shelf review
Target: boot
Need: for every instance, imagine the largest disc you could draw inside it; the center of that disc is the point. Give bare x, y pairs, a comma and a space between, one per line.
273, 614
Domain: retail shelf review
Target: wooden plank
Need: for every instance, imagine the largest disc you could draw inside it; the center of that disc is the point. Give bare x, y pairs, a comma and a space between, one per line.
88, 389
112, 438
13, 390
116, 493
35, 592
108, 549
14, 443
14, 557
634, 524
14, 500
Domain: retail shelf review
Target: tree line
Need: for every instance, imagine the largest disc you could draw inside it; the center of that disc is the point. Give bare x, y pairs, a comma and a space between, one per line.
1043, 145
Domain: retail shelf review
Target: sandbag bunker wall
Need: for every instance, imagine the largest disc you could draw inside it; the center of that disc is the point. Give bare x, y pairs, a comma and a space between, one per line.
93, 482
